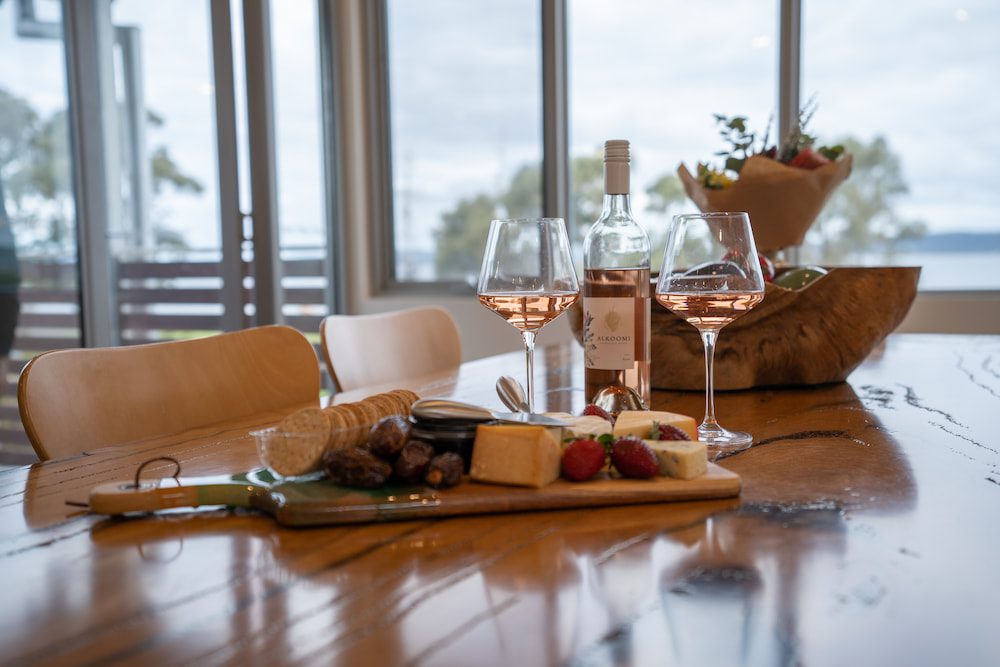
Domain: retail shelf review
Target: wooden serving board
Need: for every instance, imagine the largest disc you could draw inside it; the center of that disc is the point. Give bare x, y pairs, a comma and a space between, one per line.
321, 502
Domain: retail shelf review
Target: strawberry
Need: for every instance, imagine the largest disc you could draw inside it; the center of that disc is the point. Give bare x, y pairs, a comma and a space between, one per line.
807, 158
766, 267
598, 411
668, 432
633, 458
582, 459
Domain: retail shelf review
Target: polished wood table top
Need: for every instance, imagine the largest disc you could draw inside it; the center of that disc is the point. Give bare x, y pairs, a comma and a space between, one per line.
867, 532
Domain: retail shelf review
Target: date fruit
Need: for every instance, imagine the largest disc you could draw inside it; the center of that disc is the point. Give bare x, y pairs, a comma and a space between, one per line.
353, 466
445, 470
388, 437
413, 462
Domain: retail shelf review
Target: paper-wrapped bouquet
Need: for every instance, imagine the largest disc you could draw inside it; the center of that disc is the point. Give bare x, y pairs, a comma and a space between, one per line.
783, 188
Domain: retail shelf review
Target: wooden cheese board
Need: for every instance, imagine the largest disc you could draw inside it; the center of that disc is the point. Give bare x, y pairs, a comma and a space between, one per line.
319, 501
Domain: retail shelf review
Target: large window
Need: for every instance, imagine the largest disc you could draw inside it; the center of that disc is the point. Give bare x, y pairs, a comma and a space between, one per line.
39, 291
466, 122
204, 133
909, 88
915, 94
655, 72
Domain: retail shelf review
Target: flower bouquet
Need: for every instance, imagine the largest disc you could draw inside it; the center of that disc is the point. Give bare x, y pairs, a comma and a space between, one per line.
783, 188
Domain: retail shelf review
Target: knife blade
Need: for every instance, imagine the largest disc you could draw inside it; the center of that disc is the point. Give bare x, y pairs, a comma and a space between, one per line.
442, 408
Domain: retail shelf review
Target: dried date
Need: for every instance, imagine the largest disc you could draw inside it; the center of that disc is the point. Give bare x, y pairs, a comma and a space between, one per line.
388, 437
445, 470
413, 462
356, 467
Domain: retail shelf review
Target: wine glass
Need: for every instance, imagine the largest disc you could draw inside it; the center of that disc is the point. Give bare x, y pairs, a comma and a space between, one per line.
711, 276
527, 278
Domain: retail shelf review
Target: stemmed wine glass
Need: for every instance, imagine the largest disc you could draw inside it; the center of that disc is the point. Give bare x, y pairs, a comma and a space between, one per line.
527, 278
711, 276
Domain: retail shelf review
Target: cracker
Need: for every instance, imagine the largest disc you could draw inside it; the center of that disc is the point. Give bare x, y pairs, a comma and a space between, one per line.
335, 416
357, 424
296, 445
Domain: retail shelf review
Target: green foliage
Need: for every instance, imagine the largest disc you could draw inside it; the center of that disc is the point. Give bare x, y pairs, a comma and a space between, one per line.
461, 238
860, 215
36, 171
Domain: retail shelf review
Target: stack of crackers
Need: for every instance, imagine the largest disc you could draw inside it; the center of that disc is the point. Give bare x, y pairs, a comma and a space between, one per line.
296, 445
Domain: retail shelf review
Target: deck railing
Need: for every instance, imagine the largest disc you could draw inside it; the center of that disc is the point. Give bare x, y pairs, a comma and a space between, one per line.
157, 301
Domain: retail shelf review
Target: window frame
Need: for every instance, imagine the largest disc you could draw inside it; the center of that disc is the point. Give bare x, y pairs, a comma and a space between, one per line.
555, 160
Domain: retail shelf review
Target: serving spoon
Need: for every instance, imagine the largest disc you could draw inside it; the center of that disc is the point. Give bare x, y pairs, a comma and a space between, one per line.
511, 393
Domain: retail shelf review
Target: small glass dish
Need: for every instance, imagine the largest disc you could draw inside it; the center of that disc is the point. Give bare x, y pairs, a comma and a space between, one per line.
289, 454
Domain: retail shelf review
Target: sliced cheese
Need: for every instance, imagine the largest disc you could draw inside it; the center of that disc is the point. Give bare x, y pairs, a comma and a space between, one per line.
683, 459
515, 454
640, 423
581, 426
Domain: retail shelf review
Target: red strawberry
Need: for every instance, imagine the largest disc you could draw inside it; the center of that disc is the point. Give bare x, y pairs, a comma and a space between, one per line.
598, 411
582, 459
766, 267
633, 458
670, 432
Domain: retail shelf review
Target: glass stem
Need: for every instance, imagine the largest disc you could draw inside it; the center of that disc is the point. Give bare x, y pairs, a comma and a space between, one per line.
529, 364
708, 337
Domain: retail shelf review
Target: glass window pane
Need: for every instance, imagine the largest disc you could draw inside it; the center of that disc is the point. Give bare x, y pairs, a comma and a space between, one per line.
921, 118
167, 245
39, 292
299, 151
654, 72
465, 103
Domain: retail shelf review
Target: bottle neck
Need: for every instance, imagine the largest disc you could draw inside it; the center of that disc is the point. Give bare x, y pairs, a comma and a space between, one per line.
617, 207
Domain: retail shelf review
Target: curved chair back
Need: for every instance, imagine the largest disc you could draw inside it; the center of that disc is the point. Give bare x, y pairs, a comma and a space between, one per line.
74, 400
363, 350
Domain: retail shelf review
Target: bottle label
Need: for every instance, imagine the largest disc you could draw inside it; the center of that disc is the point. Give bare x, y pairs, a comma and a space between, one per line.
609, 333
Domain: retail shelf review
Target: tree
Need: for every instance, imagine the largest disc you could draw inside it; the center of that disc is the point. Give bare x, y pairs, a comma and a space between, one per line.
860, 216
35, 167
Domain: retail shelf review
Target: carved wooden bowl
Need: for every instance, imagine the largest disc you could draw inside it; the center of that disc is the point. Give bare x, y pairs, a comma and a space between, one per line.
814, 335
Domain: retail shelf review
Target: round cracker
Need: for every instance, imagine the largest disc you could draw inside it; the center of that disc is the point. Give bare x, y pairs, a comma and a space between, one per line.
335, 416
296, 445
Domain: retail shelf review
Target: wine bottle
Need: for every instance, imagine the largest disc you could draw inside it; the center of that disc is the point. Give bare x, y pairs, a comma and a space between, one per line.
616, 287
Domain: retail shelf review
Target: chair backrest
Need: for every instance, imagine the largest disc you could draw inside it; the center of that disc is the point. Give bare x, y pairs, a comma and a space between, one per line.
363, 350
74, 400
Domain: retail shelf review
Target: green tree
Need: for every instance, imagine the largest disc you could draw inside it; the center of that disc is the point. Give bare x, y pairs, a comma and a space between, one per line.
860, 216
462, 237
34, 163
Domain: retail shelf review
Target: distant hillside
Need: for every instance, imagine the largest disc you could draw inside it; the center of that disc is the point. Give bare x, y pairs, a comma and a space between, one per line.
954, 242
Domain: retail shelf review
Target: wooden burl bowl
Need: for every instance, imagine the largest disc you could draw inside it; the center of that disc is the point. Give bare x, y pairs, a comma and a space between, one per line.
814, 335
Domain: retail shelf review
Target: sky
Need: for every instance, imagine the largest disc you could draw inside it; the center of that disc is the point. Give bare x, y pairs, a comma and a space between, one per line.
466, 95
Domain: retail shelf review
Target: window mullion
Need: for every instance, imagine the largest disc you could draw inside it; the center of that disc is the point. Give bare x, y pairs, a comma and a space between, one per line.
555, 111
96, 164
260, 124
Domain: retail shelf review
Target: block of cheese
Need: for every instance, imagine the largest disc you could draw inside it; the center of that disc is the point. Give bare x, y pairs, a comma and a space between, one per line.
582, 426
683, 459
516, 454
640, 423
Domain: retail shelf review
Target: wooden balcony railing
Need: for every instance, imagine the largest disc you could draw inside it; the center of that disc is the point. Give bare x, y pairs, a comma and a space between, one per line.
157, 301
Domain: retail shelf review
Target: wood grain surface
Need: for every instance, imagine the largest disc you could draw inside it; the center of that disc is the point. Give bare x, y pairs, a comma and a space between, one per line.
865, 534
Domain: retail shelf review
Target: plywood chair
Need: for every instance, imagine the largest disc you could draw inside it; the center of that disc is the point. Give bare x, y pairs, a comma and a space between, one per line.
365, 350
74, 400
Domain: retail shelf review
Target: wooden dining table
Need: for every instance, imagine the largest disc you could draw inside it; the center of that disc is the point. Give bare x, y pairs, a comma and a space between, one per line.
867, 532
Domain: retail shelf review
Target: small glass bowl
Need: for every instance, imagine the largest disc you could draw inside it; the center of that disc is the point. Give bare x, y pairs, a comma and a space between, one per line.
289, 454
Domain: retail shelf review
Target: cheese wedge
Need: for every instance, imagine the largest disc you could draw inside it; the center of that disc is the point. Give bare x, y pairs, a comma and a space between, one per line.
516, 454
683, 459
640, 423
